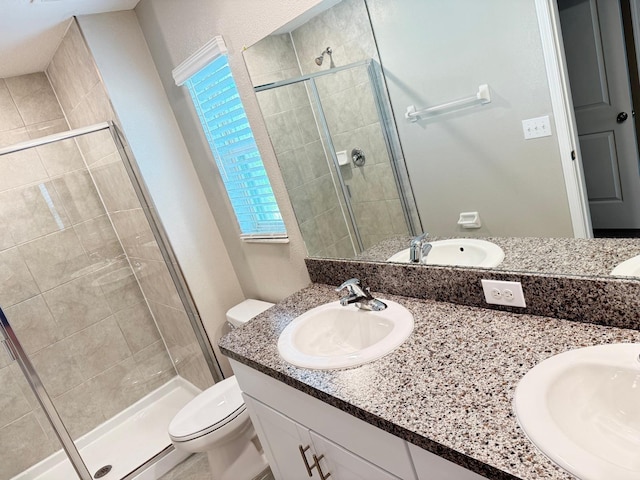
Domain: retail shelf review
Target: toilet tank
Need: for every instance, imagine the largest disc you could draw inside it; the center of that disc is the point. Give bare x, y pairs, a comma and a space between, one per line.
246, 310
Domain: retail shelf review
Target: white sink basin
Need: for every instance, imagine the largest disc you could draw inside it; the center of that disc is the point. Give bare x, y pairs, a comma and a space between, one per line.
582, 409
628, 268
463, 252
332, 336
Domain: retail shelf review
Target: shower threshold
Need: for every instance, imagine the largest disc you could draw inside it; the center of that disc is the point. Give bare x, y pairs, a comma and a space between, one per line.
126, 441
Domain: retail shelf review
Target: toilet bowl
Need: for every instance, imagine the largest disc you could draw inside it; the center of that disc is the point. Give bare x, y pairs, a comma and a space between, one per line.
216, 421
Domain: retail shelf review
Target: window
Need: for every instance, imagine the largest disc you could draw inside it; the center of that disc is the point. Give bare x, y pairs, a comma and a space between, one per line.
224, 121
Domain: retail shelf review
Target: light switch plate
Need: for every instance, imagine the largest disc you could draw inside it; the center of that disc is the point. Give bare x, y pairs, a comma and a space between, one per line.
498, 292
536, 127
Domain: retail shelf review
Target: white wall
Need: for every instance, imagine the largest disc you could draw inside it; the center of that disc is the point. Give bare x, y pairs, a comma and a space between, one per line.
123, 59
476, 159
174, 31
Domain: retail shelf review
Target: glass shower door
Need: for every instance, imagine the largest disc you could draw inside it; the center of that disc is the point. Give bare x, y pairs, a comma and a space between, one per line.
333, 135
94, 313
349, 106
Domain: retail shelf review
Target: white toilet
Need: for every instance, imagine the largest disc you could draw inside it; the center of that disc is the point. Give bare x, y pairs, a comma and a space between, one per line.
217, 421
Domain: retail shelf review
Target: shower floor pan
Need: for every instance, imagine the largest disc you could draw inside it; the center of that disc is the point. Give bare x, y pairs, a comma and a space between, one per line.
126, 441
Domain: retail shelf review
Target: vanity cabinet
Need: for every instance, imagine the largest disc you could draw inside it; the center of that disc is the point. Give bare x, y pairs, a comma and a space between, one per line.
288, 421
294, 451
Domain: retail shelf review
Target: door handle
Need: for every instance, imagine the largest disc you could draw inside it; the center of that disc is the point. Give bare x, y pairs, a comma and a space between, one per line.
622, 117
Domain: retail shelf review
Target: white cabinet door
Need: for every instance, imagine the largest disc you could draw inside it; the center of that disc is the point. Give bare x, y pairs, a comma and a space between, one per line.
281, 440
432, 467
343, 464
293, 450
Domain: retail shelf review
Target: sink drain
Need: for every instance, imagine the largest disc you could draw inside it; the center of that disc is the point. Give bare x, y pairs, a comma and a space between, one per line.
102, 471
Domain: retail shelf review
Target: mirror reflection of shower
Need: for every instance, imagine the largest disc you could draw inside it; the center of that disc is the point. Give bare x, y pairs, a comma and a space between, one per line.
320, 59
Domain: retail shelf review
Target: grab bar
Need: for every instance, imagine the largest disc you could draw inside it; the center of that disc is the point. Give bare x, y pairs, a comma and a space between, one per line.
481, 98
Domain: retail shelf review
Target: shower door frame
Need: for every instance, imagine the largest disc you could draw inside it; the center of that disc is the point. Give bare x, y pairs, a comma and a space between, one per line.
15, 349
389, 134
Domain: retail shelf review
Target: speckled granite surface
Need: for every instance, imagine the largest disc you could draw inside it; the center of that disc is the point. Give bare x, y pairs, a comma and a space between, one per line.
557, 256
447, 389
612, 301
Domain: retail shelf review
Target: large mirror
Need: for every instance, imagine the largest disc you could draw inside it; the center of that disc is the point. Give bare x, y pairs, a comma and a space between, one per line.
393, 118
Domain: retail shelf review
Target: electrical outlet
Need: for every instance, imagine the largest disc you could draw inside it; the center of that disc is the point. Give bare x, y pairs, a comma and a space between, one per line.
503, 293
536, 127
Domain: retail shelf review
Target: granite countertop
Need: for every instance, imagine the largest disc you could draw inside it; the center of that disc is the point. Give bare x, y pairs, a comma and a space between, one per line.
447, 389
563, 256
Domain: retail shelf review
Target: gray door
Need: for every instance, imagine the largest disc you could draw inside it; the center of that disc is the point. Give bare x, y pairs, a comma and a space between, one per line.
598, 74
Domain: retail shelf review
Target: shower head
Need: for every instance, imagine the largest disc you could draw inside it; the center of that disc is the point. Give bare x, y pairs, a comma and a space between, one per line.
319, 59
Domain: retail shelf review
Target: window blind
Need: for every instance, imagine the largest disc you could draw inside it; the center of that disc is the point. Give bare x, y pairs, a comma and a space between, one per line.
231, 140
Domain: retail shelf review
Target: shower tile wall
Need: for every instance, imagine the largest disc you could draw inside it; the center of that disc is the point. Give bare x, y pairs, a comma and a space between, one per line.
84, 100
65, 282
301, 156
350, 111
65, 286
351, 114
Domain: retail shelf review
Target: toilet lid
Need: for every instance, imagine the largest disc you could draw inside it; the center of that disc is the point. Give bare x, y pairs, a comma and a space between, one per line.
216, 406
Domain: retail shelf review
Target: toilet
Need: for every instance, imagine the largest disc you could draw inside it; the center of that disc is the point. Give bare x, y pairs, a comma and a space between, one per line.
217, 422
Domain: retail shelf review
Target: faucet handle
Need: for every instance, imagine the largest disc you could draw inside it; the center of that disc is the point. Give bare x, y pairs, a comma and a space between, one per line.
420, 238
349, 284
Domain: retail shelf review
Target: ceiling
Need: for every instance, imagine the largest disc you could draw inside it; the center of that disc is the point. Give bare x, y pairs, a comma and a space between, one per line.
31, 30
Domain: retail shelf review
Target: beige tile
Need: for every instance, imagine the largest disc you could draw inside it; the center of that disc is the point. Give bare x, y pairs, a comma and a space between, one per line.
21, 168
119, 285
23, 384
155, 365
9, 116
194, 369
34, 325
136, 235
77, 304
98, 347
13, 404
176, 331
156, 282
138, 326
34, 211
99, 239
38, 130
56, 259
28, 444
57, 367
94, 108
97, 146
61, 157
114, 186
11, 137
16, 281
79, 196
80, 409
119, 387
6, 240
72, 71
196, 467
34, 98
4, 358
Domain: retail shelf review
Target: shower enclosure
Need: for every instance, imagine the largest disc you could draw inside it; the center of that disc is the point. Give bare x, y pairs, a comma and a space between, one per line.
102, 342
340, 157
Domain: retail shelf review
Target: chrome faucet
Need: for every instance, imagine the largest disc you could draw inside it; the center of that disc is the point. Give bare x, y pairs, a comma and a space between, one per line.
419, 248
359, 296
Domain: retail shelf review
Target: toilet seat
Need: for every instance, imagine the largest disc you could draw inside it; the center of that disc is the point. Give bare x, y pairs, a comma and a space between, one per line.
211, 411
